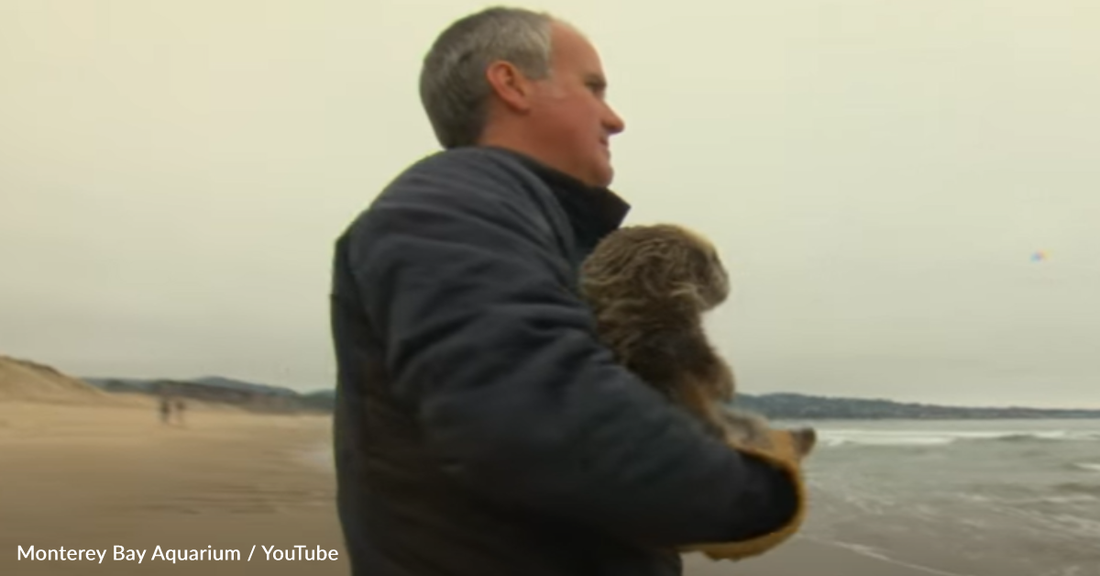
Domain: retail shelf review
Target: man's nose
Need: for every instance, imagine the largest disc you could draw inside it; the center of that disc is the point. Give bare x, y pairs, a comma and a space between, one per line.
613, 123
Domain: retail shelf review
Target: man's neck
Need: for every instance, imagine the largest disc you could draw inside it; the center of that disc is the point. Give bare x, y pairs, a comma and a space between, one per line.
526, 148
595, 211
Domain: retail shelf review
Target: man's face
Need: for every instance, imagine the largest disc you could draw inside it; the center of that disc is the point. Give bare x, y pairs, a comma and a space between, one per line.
569, 114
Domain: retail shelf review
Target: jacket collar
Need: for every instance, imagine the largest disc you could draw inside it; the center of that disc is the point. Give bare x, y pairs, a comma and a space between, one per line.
594, 211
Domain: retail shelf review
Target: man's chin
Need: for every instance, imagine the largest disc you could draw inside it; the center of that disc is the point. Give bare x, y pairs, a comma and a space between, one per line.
603, 176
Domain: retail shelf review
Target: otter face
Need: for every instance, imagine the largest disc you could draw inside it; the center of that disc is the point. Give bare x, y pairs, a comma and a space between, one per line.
660, 261
715, 284
705, 270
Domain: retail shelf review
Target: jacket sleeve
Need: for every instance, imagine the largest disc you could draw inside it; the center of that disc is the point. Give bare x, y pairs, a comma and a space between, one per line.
516, 397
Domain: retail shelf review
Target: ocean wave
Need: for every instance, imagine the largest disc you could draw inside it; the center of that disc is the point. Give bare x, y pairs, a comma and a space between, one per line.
1078, 489
865, 437
1086, 466
1071, 499
879, 441
1069, 496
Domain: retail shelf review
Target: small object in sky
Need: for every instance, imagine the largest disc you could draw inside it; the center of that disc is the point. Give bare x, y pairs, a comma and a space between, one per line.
1039, 256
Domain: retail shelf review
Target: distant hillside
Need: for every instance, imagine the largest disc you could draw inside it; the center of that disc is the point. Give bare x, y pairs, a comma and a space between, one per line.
262, 397
245, 386
217, 390
320, 399
147, 385
802, 406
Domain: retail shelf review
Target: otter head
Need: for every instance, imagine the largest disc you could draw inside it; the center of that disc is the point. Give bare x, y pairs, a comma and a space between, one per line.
663, 262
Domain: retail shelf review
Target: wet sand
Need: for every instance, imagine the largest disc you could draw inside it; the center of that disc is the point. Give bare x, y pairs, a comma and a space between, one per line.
97, 477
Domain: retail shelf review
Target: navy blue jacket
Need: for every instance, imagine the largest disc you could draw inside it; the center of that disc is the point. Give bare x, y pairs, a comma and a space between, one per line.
481, 429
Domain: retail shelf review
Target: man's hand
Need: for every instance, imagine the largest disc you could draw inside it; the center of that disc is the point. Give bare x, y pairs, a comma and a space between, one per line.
784, 449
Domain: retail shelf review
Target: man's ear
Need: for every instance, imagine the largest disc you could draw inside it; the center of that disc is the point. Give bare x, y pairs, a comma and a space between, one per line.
510, 85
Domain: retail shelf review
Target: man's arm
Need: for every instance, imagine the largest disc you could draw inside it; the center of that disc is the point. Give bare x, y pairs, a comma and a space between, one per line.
514, 392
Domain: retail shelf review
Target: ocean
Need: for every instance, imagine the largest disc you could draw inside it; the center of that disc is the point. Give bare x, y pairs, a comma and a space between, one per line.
955, 498
971, 498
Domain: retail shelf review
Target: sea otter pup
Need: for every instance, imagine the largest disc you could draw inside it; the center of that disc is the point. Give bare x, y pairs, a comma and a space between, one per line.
649, 287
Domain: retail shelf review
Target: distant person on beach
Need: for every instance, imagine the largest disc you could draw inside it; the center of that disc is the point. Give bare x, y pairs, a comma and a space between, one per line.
481, 429
179, 405
165, 409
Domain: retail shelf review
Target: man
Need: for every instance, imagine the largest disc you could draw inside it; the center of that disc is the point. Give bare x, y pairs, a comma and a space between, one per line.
480, 427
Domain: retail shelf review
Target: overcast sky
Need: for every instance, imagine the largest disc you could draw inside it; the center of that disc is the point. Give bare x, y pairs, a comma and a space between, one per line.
876, 174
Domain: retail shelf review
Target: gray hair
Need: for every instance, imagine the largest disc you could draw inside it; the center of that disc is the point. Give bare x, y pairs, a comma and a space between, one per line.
453, 88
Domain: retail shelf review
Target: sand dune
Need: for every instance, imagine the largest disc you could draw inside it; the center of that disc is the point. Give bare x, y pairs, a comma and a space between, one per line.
28, 381
23, 380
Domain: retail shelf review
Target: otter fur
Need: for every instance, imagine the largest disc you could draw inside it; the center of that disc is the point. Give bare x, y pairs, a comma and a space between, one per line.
649, 288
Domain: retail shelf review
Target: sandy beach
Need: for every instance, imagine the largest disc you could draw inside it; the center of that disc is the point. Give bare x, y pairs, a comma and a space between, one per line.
96, 477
